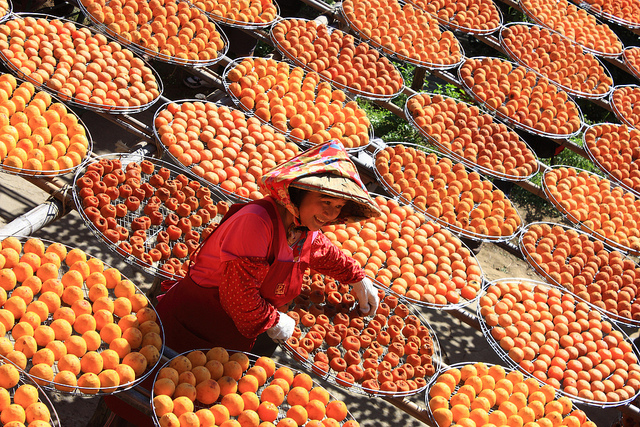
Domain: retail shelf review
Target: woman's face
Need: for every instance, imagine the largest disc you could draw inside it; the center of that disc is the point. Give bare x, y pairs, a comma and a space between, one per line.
317, 209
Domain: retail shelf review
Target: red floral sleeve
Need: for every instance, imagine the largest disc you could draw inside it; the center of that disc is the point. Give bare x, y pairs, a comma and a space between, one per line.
327, 259
240, 295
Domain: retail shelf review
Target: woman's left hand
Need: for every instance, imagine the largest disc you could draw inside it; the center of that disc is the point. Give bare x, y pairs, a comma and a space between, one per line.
367, 296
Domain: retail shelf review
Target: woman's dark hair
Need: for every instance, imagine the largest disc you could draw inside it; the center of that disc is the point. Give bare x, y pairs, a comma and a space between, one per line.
296, 195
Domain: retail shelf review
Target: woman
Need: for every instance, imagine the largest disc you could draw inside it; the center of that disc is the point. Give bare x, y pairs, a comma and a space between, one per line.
255, 260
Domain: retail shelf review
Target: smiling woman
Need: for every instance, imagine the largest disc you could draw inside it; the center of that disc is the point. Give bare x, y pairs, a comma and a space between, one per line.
255, 260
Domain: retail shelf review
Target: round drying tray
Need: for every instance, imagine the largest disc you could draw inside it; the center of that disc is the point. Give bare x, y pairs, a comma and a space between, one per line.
129, 95
594, 158
133, 39
214, 152
573, 92
217, 357
367, 346
169, 223
631, 56
71, 314
46, 414
566, 306
571, 215
432, 207
60, 146
358, 92
577, 279
457, 283
622, 112
392, 54
453, 24
440, 398
539, 21
363, 140
235, 5
435, 140
512, 121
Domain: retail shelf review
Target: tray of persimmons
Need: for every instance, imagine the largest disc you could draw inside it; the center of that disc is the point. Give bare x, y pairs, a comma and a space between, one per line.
447, 192
414, 258
553, 336
585, 266
146, 210
391, 353
214, 386
486, 394
71, 322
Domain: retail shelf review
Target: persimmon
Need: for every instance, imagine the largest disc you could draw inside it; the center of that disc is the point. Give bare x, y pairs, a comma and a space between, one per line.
123, 82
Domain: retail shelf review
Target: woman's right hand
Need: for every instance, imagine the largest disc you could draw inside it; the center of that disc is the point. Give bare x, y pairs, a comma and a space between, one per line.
282, 330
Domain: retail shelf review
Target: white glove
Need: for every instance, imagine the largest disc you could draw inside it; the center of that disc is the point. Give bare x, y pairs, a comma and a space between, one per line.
367, 296
282, 330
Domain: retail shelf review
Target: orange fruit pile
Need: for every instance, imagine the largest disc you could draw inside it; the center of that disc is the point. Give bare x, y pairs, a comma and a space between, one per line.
447, 192
575, 23
38, 135
557, 58
298, 103
561, 341
21, 405
623, 11
521, 95
616, 149
608, 211
631, 56
76, 63
583, 266
415, 258
465, 15
219, 388
625, 103
222, 145
60, 306
481, 394
391, 352
405, 31
167, 214
168, 29
338, 57
463, 130
248, 12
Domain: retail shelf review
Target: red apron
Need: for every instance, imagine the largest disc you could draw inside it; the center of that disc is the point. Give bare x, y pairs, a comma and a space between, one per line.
193, 316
